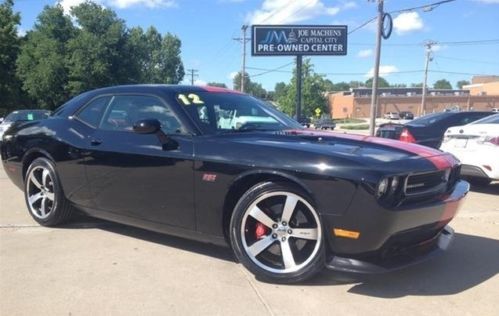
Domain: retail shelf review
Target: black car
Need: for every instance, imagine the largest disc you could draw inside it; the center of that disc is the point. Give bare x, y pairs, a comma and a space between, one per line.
304, 121
21, 116
406, 115
324, 123
222, 167
428, 130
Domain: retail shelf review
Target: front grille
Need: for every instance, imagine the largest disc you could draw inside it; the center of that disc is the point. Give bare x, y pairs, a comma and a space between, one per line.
428, 182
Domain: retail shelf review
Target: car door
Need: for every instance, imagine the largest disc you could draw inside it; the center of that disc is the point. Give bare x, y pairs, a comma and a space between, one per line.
138, 175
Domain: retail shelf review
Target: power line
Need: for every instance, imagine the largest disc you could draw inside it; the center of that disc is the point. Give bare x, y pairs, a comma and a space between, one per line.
448, 43
467, 60
272, 70
426, 8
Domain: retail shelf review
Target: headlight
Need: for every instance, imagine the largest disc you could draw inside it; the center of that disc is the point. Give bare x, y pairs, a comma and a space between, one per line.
388, 186
382, 187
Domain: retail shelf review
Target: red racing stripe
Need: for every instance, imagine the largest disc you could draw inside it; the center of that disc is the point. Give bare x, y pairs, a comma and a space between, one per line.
218, 90
439, 159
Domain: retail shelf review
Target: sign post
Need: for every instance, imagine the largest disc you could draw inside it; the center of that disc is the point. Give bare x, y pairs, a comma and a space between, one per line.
298, 40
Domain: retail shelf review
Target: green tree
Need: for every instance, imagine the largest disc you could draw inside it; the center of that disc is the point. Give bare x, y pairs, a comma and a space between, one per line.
442, 84
253, 88
382, 83
40, 64
280, 90
417, 85
341, 86
217, 84
356, 84
97, 55
156, 57
462, 83
314, 91
9, 50
398, 85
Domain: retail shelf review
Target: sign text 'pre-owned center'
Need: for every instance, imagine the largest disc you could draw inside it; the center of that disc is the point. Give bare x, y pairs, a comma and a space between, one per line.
292, 40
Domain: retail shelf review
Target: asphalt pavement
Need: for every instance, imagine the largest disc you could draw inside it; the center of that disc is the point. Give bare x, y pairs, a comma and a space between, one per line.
93, 267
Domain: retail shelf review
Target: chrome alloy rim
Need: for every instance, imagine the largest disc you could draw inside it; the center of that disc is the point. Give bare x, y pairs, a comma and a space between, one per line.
40, 192
280, 232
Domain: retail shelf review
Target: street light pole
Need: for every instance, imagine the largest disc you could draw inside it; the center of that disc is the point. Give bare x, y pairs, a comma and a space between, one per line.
374, 97
428, 45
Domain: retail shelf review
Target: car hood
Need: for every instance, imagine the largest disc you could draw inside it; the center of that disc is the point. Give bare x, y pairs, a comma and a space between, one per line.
364, 150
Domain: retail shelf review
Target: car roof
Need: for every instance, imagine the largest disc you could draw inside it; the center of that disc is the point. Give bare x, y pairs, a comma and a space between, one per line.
165, 87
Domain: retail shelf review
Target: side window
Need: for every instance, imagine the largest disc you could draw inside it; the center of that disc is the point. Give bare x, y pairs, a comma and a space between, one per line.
469, 118
125, 110
93, 111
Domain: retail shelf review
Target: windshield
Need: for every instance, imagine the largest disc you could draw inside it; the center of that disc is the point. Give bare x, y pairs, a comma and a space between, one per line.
494, 119
429, 119
27, 116
230, 112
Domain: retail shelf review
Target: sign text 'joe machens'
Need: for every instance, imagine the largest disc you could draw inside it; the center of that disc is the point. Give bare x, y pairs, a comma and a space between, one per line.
292, 40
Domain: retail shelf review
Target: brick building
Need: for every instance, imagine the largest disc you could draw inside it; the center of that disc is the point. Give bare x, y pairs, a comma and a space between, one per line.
479, 96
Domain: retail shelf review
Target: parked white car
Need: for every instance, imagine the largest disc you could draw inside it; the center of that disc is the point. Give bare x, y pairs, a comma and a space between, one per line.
476, 145
392, 116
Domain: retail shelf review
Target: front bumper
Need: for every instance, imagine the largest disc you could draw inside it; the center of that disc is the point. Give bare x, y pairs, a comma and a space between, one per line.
474, 172
392, 238
406, 257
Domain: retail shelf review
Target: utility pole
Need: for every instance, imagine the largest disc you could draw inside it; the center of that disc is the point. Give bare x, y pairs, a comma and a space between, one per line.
374, 97
193, 74
299, 78
429, 58
243, 40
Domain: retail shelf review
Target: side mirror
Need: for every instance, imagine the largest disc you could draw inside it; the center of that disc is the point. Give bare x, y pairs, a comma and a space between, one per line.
148, 126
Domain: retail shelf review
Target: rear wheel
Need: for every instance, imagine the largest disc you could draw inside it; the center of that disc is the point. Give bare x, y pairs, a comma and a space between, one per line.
43, 194
276, 233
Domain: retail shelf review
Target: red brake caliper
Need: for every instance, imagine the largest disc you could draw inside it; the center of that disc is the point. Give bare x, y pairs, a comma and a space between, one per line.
260, 230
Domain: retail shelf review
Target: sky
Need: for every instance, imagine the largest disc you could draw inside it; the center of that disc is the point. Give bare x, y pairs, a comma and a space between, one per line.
207, 28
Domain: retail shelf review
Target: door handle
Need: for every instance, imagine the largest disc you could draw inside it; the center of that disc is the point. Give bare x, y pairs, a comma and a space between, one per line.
95, 142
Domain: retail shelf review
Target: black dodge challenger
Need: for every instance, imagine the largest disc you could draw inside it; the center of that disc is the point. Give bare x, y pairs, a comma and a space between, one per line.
222, 167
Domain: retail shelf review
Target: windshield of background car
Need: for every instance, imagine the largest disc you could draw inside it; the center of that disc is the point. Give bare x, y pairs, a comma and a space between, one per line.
494, 119
231, 112
27, 116
429, 119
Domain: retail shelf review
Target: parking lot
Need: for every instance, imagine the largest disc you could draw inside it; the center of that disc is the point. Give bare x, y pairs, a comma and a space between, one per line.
95, 267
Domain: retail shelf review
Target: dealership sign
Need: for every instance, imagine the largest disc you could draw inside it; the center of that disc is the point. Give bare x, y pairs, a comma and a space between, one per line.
292, 40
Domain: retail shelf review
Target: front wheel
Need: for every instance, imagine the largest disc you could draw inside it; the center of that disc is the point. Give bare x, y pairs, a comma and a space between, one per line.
43, 194
276, 233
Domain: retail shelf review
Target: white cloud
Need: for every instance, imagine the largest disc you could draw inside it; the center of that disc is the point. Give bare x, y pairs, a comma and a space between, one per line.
121, 4
232, 75
199, 82
384, 70
68, 4
289, 11
349, 5
365, 53
437, 48
488, 1
407, 22
21, 32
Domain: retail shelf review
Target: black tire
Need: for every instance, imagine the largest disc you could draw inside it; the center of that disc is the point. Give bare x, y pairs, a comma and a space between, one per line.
315, 255
56, 211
